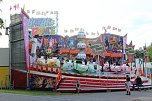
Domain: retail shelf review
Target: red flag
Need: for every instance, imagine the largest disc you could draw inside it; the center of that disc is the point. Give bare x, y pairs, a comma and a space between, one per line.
14, 7
10, 8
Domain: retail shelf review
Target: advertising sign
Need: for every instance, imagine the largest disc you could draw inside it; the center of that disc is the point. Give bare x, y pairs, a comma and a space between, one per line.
42, 26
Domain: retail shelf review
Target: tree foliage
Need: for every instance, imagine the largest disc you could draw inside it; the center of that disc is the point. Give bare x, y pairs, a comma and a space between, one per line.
1, 23
138, 53
149, 53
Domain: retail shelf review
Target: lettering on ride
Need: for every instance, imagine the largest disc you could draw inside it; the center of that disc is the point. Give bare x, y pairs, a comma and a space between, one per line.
43, 31
42, 26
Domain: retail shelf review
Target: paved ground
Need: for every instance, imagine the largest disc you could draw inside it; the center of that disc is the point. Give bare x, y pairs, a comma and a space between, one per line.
105, 96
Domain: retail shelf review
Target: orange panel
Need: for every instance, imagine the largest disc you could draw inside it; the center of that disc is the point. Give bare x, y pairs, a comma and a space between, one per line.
116, 55
107, 54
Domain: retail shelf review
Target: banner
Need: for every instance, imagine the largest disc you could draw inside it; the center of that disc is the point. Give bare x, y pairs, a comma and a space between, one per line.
26, 37
42, 26
40, 22
124, 43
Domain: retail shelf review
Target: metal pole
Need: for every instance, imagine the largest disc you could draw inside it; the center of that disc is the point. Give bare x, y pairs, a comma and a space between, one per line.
10, 66
146, 69
98, 60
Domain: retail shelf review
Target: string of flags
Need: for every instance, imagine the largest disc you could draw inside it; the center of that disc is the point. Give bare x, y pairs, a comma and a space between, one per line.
33, 11
73, 30
110, 27
92, 33
14, 7
42, 12
80, 29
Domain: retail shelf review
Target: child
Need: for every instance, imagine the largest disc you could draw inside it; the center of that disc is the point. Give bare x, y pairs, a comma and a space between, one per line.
127, 84
78, 86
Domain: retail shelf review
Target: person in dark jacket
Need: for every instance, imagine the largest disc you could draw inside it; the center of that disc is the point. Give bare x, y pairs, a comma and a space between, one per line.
138, 82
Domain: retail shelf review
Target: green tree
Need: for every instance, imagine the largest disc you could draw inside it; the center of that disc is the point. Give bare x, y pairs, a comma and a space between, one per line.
149, 53
1, 23
138, 53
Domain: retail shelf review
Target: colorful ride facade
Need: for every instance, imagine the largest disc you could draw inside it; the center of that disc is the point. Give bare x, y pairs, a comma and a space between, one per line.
51, 61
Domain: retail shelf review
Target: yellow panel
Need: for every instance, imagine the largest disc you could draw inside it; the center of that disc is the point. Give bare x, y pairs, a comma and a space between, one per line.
4, 77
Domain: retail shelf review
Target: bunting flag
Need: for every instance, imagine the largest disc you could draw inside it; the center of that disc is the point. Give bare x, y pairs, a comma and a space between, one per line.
33, 11
93, 33
108, 27
76, 29
104, 28
119, 30
81, 29
97, 33
87, 33
71, 30
15, 7
28, 11
65, 31
114, 28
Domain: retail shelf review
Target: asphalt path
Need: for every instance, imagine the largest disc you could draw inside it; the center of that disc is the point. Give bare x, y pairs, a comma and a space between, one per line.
103, 96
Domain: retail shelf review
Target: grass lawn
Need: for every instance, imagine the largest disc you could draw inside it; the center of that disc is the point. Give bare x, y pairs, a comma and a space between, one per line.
34, 92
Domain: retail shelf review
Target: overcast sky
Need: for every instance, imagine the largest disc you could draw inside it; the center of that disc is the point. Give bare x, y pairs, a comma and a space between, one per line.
131, 16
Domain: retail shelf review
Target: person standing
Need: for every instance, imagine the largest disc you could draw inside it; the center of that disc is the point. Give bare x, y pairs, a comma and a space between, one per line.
128, 84
78, 86
102, 65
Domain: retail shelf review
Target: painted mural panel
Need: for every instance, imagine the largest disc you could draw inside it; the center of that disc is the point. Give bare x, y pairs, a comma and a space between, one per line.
96, 46
41, 82
70, 42
113, 42
43, 44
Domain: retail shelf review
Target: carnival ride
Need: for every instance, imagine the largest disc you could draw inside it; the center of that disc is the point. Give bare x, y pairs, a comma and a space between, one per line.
47, 60
88, 73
